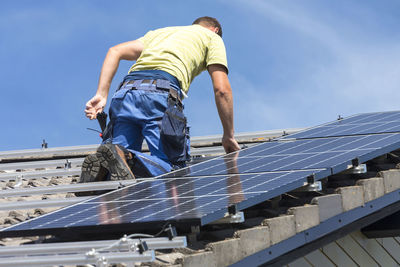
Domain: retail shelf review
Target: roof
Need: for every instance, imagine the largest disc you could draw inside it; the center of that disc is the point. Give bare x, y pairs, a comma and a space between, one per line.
275, 232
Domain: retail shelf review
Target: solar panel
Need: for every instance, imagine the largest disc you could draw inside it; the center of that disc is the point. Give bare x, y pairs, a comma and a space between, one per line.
368, 123
204, 192
326, 153
197, 200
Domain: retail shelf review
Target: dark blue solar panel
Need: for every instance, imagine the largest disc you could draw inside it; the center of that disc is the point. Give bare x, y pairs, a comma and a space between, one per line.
293, 155
370, 123
202, 193
201, 198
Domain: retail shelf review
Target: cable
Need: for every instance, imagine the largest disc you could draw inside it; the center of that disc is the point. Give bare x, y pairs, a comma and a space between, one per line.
94, 130
162, 229
140, 235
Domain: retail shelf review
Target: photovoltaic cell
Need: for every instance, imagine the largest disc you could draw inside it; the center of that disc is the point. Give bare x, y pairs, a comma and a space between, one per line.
203, 192
369, 123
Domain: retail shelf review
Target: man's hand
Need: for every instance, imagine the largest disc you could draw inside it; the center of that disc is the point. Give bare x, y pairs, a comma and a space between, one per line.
230, 144
94, 106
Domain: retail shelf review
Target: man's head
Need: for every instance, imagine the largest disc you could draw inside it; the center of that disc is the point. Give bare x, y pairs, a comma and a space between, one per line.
210, 23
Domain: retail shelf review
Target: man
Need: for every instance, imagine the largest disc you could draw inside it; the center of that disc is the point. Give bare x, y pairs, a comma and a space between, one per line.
148, 104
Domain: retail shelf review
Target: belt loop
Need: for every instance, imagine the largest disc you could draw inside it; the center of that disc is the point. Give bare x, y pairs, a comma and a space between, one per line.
163, 84
120, 85
136, 84
128, 84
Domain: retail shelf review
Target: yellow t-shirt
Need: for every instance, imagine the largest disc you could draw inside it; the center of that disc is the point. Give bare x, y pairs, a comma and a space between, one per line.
183, 52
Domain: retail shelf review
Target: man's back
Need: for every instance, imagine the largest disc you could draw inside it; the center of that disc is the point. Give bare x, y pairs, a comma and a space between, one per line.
147, 104
183, 52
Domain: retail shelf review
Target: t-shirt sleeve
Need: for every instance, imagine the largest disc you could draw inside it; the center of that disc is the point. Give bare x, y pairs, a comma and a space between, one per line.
142, 39
216, 52
146, 38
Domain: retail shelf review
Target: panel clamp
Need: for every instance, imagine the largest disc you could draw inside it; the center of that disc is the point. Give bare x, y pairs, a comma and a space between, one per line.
171, 231
142, 246
311, 185
355, 167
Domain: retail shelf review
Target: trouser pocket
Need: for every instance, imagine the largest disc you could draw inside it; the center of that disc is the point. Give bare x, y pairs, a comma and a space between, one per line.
174, 135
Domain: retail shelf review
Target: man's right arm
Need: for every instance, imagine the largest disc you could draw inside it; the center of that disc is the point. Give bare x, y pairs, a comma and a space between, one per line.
127, 51
224, 102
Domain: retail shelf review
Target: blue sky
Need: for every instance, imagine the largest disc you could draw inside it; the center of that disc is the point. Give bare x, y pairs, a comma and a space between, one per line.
292, 63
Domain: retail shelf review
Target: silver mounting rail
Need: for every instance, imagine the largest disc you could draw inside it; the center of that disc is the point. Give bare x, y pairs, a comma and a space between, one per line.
63, 163
55, 151
39, 174
68, 188
102, 252
99, 259
46, 203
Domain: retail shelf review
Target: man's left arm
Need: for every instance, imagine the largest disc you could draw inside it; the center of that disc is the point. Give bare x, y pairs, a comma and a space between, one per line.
124, 51
224, 102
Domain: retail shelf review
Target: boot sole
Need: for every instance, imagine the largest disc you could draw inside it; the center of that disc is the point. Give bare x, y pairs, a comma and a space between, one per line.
110, 158
92, 171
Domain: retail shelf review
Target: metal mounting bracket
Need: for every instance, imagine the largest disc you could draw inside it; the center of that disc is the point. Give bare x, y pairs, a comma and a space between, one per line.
44, 144
237, 217
311, 185
362, 168
356, 167
67, 165
18, 180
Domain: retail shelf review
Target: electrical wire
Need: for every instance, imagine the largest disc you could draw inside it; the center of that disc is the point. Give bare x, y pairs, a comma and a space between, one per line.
162, 229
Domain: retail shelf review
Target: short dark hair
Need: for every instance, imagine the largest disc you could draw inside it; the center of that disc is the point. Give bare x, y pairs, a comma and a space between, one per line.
209, 21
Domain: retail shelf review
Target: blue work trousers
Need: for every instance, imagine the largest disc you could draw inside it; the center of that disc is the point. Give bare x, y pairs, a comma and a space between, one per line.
140, 113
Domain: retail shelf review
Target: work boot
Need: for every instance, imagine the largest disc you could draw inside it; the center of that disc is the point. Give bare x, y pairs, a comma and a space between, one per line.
92, 171
115, 159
